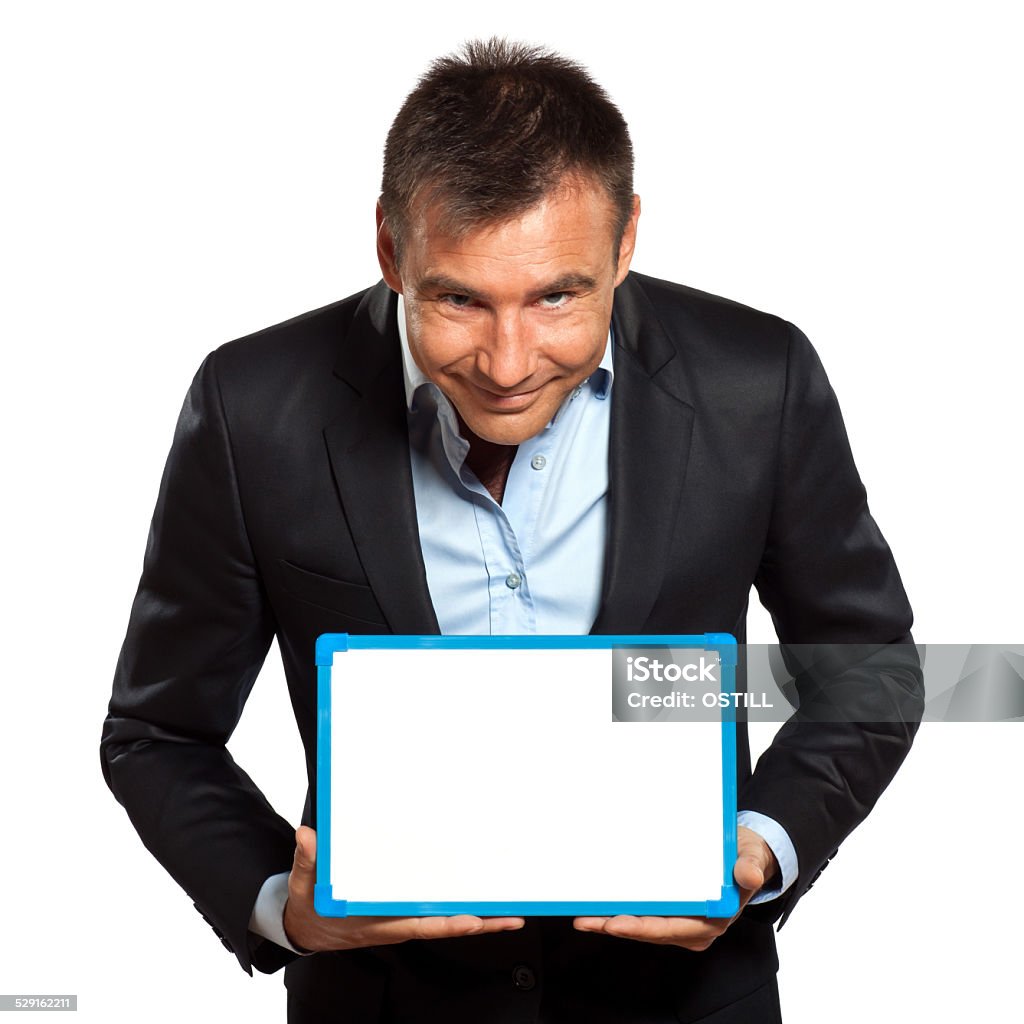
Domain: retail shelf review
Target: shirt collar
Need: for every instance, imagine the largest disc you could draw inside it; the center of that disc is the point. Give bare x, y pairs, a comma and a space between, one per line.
415, 378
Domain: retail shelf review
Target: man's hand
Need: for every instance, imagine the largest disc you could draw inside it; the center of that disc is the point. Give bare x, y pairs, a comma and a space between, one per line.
307, 931
755, 865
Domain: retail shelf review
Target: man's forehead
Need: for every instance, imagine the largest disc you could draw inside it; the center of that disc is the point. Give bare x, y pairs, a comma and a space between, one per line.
564, 241
439, 221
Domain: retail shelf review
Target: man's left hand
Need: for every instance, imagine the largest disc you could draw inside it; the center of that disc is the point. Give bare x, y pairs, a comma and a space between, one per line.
755, 865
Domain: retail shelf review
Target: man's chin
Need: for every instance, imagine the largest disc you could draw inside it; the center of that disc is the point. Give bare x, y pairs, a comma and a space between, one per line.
508, 429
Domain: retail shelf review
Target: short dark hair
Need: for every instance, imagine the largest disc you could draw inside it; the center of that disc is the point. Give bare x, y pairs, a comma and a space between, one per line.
492, 129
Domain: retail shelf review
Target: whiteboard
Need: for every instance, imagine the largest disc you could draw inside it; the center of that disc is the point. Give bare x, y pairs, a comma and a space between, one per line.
489, 775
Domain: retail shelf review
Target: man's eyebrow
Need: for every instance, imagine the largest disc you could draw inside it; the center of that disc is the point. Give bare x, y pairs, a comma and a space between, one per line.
567, 283
443, 283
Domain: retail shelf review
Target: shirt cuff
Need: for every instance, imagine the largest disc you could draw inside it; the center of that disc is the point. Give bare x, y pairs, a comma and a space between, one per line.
267, 918
780, 844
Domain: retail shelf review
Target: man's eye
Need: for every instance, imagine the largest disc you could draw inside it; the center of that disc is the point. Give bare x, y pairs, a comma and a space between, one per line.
555, 300
459, 301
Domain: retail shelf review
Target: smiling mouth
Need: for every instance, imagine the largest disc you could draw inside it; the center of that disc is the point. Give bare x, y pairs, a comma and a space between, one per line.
515, 400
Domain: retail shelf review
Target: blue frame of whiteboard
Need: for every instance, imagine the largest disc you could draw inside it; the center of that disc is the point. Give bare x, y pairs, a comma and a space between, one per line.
329, 644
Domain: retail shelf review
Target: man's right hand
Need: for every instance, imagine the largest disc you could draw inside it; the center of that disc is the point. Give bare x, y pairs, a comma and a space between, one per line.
308, 931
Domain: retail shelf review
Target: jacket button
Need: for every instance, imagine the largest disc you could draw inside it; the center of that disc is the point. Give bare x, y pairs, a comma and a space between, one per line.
523, 977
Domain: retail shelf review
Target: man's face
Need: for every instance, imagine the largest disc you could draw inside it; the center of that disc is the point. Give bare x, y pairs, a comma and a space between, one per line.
507, 319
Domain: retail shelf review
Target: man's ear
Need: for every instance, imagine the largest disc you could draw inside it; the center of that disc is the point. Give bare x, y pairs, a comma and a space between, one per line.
386, 253
628, 244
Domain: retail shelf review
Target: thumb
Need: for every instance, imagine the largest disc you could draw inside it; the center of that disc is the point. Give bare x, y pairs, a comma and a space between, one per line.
749, 871
755, 862
303, 875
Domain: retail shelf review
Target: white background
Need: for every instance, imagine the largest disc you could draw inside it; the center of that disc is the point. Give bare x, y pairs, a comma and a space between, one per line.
178, 175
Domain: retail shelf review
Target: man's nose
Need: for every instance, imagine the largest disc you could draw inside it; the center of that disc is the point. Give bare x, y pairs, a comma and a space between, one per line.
508, 355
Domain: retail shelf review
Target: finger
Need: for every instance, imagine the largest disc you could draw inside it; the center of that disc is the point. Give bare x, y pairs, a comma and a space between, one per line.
303, 873
679, 930
749, 872
305, 845
503, 924
389, 930
463, 924
620, 924
755, 860
689, 932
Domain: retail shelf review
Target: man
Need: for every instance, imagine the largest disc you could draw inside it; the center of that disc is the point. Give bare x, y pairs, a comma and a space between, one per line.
510, 434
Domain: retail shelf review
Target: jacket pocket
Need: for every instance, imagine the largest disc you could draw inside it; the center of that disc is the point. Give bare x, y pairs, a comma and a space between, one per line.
353, 600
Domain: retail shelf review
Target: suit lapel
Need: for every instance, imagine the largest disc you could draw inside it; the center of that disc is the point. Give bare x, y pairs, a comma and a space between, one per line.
651, 430
369, 452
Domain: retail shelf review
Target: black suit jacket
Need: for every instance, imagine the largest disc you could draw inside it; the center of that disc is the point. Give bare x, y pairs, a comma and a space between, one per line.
286, 509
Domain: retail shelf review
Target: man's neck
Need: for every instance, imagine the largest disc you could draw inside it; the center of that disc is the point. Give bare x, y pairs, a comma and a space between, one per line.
489, 462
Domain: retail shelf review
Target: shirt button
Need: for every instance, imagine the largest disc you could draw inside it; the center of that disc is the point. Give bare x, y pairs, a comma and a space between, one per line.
523, 977
538, 462
512, 580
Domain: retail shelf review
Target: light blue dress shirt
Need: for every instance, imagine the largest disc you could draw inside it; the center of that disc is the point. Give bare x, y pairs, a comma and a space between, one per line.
533, 564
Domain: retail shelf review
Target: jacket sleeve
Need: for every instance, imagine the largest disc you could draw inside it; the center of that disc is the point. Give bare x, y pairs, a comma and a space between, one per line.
199, 631
835, 596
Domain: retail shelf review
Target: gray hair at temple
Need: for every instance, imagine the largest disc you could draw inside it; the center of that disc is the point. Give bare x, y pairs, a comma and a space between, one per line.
492, 129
